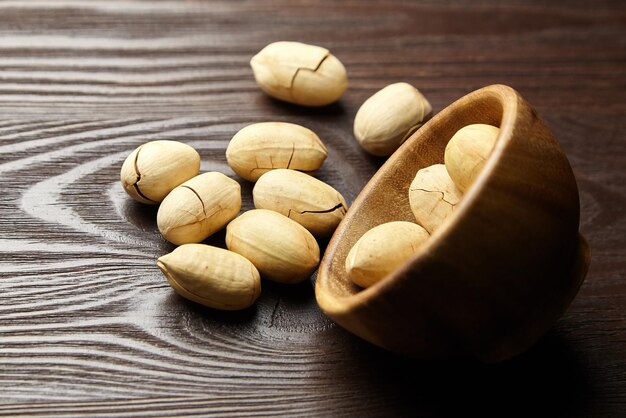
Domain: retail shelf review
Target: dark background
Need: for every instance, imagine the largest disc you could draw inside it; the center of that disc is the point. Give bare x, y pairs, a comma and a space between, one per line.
88, 324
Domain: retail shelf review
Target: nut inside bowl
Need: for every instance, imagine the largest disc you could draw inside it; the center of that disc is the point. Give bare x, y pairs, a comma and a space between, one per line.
498, 273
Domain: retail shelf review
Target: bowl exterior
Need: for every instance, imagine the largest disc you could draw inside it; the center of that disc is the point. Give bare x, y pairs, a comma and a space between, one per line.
499, 273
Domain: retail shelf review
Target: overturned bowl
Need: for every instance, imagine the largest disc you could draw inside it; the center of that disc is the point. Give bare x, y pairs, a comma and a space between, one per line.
498, 273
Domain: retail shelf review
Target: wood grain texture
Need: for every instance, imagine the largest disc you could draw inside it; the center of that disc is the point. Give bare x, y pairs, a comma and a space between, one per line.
88, 326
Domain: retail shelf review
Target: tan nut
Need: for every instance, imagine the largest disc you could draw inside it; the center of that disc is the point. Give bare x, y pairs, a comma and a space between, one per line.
389, 117
312, 203
382, 250
433, 196
467, 151
211, 276
281, 249
261, 147
153, 169
298, 73
198, 208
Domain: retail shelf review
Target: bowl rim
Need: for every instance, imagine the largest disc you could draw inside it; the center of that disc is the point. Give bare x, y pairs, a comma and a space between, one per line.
336, 305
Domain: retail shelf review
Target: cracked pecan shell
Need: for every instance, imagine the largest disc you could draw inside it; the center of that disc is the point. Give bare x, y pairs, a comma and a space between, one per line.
433, 196
153, 169
299, 73
199, 207
312, 203
261, 147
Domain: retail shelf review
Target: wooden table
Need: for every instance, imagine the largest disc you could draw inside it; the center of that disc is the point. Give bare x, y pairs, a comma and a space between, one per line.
88, 324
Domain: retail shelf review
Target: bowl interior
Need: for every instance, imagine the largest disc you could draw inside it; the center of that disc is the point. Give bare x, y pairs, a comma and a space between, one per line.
386, 197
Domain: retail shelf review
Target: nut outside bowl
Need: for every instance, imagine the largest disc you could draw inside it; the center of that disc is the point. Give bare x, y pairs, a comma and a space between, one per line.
498, 273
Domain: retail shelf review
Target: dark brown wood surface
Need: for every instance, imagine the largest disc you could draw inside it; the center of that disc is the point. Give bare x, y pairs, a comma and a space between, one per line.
88, 324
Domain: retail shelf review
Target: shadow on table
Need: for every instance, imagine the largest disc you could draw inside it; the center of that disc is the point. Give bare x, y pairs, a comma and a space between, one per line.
142, 216
548, 380
334, 110
289, 308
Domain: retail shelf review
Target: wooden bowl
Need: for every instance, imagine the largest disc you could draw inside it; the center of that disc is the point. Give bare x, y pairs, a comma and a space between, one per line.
498, 273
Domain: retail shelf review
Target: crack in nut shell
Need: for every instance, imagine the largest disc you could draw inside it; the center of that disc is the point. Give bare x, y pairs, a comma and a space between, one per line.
433, 196
261, 147
298, 73
312, 203
155, 168
198, 208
